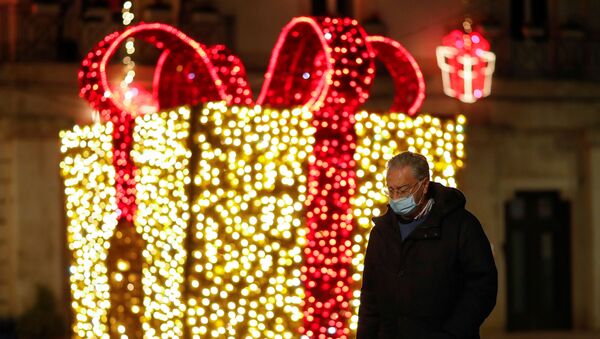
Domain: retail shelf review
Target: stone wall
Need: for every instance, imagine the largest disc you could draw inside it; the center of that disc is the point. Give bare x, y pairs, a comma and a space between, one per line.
7, 256
538, 139
32, 227
37, 102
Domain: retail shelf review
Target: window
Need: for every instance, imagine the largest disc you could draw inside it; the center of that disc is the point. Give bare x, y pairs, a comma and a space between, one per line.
341, 8
529, 19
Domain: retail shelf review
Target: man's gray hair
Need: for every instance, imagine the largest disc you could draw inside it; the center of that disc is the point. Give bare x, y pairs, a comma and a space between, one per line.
417, 162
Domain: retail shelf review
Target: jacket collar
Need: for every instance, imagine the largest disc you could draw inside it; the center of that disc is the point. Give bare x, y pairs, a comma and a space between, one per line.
429, 229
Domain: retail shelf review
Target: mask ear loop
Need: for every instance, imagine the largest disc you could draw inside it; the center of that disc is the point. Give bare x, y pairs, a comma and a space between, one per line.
424, 193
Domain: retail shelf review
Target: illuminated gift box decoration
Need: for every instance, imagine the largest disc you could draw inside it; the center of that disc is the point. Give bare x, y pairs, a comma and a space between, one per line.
234, 218
467, 65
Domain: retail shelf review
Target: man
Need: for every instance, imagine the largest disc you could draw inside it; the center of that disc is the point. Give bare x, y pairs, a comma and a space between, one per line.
429, 270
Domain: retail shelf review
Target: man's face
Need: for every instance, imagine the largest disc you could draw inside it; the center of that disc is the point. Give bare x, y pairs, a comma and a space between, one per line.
401, 182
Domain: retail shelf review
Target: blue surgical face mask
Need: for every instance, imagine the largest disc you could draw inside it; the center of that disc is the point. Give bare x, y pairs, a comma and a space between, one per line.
403, 206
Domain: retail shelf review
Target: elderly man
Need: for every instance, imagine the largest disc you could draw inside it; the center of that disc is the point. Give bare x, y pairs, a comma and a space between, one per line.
429, 270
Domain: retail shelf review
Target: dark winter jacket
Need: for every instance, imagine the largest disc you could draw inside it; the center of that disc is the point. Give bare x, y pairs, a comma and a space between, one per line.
440, 282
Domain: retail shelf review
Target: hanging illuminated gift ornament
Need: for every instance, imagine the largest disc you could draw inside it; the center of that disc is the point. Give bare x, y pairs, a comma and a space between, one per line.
467, 64
238, 218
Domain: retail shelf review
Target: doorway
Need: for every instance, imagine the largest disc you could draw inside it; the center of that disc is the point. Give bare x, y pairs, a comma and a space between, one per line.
538, 261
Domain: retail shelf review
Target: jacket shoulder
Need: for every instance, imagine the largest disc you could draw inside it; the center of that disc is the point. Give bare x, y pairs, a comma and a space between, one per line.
461, 220
376, 225
471, 228
469, 219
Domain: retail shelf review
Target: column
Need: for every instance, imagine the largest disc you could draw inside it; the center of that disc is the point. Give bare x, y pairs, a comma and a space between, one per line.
594, 213
7, 247
8, 30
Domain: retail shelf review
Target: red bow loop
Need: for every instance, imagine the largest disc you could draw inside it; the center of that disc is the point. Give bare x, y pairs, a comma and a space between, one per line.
409, 86
181, 56
319, 62
182, 78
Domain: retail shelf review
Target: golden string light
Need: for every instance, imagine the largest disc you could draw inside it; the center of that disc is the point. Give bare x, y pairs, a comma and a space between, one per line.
161, 155
91, 221
127, 18
248, 222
